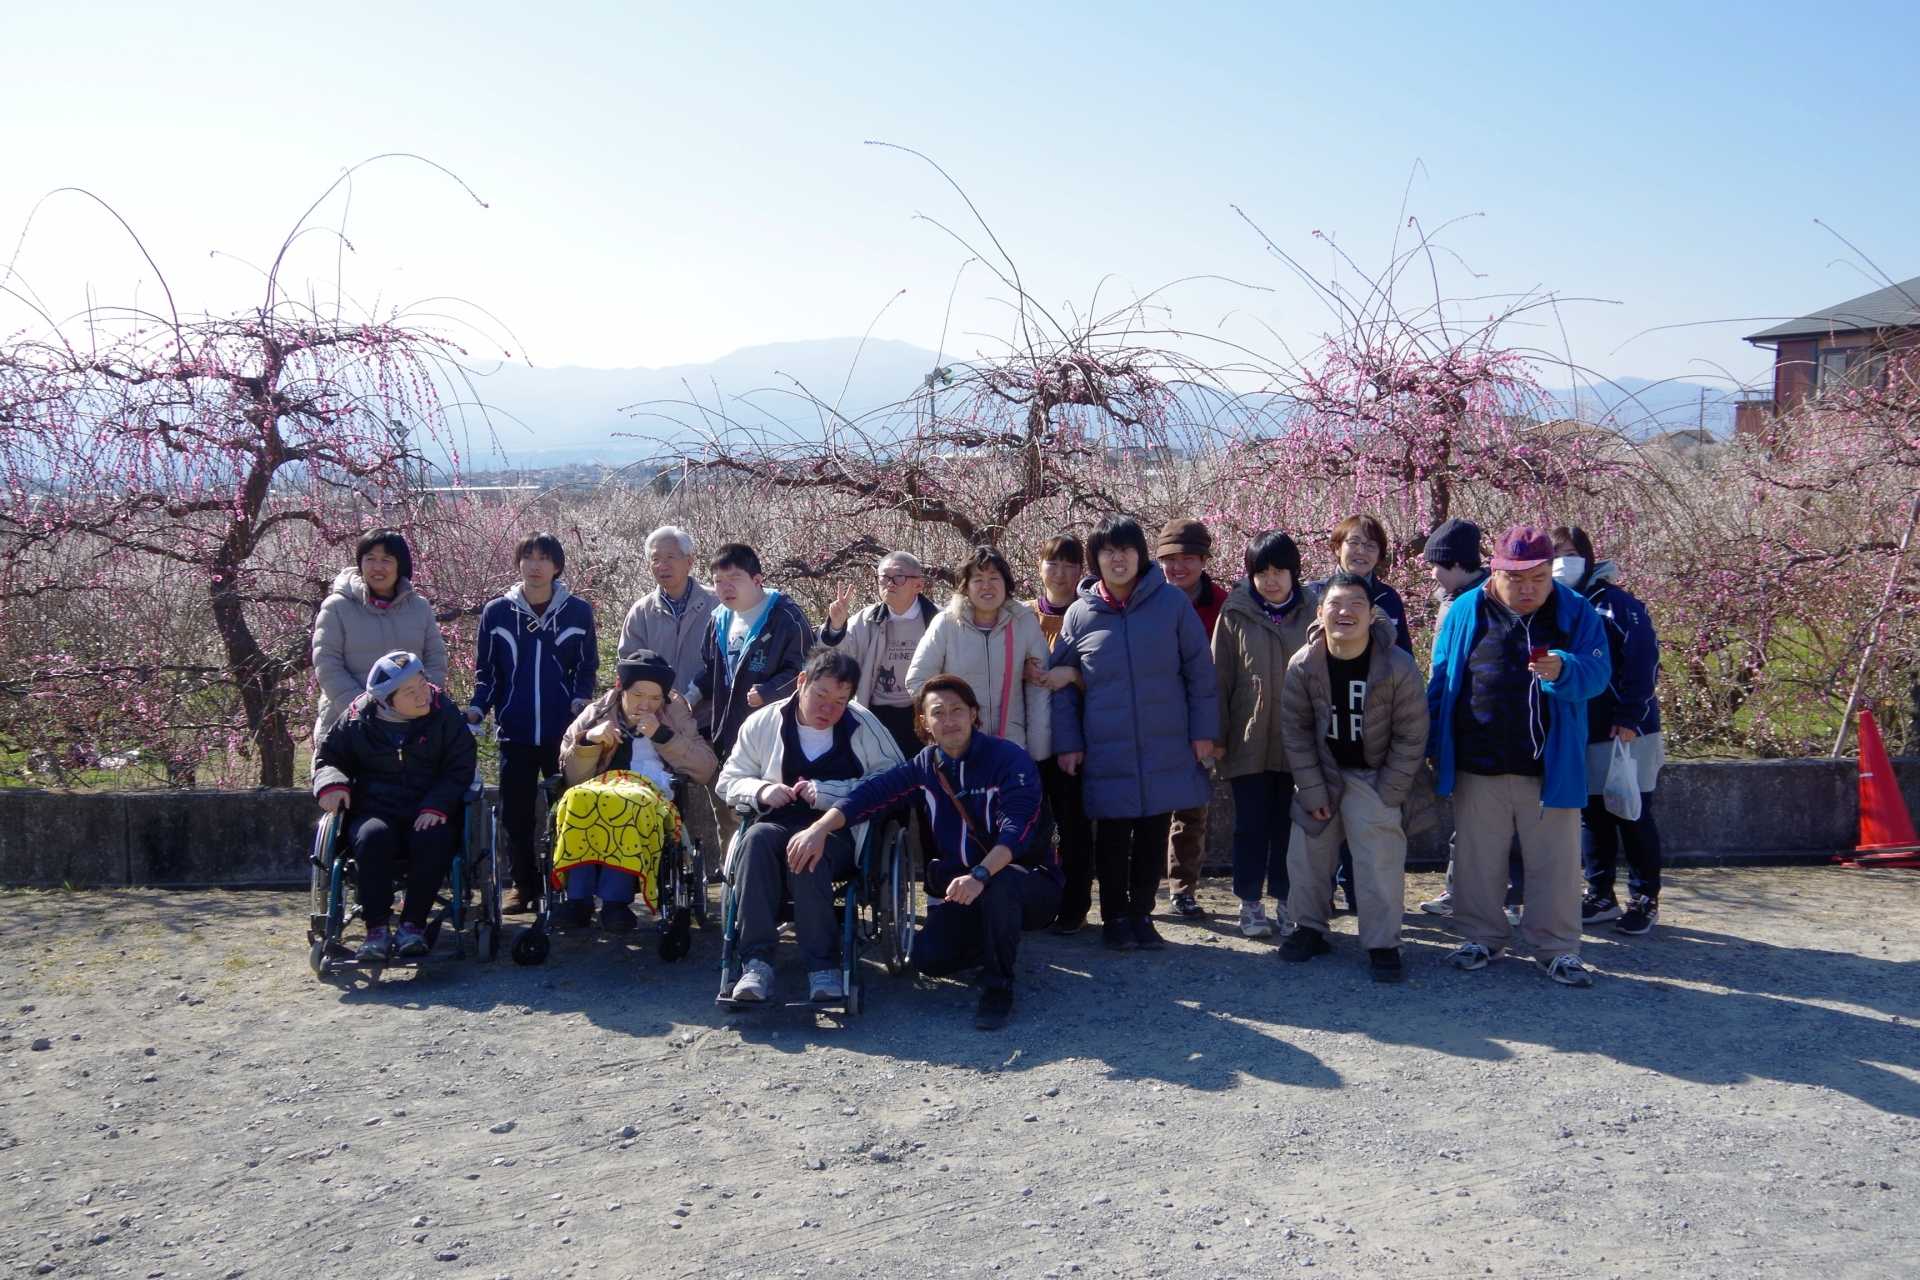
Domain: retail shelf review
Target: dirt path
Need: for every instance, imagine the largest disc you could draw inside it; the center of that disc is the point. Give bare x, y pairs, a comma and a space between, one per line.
1736, 1098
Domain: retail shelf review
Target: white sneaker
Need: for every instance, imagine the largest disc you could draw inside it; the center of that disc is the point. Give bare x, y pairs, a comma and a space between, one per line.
755, 983
1253, 919
1440, 906
1470, 956
825, 984
1568, 971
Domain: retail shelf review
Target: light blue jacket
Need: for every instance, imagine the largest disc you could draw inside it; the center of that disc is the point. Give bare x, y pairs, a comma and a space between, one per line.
1585, 671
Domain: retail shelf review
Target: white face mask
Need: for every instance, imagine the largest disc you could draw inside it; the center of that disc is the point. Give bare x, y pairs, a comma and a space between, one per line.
1569, 569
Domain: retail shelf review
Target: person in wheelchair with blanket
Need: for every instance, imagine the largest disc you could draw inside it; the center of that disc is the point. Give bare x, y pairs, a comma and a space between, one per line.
400, 762
792, 759
643, 727
994, 873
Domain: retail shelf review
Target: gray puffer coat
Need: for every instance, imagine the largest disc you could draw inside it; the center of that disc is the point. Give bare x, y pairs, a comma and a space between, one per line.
1150, 693
353, 632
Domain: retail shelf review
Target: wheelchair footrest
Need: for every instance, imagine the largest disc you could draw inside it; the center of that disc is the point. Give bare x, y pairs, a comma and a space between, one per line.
351, 961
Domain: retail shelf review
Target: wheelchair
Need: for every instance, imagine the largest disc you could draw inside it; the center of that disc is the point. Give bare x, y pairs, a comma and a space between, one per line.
879, 906
684, 877
468, 905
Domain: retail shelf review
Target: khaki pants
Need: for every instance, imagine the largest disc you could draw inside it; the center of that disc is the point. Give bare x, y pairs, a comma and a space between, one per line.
1379, 841
1488, 812
1186, 846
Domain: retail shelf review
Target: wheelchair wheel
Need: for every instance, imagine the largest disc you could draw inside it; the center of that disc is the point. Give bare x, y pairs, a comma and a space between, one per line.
327, 893
531, 947
899, 902
697, 882
316, 897
676, 935
486, 940
326, 840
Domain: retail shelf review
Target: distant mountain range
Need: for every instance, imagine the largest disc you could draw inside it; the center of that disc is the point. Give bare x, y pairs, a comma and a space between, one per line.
1641, 407
562, 416
565, 415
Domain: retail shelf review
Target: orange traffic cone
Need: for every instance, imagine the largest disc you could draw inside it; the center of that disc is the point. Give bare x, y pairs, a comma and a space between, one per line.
1887, 837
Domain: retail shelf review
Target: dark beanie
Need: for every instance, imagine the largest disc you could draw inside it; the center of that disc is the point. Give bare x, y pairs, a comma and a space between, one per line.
1454, 542
645, 664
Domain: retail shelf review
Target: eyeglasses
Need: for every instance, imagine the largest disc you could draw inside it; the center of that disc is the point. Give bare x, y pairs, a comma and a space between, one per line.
899, 579
1362, 544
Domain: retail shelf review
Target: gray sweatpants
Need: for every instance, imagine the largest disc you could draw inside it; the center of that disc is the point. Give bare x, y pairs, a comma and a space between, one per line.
1488, 812
1373, 829
765, 880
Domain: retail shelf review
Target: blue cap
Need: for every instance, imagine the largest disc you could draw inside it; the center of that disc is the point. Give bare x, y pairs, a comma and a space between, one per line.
392, 671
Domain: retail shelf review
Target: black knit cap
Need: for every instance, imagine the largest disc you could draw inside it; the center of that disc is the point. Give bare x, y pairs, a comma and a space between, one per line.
1454, 542
645, 664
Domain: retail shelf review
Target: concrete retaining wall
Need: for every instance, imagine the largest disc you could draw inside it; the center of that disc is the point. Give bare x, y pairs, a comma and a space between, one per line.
1712, 811
1708, 810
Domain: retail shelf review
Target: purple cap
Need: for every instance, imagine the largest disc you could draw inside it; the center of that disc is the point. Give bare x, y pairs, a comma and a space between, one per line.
1522, 547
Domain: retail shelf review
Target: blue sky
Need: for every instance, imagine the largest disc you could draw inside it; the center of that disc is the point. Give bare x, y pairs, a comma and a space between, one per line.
668, 184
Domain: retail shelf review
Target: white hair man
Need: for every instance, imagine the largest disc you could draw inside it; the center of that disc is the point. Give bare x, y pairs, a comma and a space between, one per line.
672, 619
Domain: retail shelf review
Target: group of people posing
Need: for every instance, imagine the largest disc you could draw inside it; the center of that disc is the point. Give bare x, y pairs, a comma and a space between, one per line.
1044, 746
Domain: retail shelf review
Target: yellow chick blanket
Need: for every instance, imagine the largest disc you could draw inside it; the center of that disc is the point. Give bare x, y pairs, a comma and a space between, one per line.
618, 820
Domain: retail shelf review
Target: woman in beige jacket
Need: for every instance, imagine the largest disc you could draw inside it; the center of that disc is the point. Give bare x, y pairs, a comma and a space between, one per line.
1264, 620
986, 637
643, 725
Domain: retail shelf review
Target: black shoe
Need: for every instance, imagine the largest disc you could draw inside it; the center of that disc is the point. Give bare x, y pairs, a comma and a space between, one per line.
1185, 904
573, 915
618, 917
1303, 944
1145, 936
1067, 926
995, 1007
1118, 935
1384, 964
1595, 909
1639, 918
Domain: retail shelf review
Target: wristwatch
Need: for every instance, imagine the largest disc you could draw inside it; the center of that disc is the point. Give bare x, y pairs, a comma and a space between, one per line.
981, 873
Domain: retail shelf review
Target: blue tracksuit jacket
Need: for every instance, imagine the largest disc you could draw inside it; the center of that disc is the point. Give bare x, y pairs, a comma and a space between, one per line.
529, 667
1585, 671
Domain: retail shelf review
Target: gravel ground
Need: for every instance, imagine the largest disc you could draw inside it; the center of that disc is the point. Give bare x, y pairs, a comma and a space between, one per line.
1736, 1098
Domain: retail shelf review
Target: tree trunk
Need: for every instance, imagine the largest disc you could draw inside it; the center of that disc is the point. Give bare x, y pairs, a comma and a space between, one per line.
260, 681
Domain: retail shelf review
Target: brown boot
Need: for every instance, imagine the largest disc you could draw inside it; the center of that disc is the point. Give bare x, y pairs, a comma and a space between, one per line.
516, 903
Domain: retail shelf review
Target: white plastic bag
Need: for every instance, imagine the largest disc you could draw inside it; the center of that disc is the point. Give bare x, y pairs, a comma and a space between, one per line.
1623, 784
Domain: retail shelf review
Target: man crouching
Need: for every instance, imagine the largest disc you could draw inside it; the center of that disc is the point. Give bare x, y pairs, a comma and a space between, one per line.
994, 873
1353, 715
